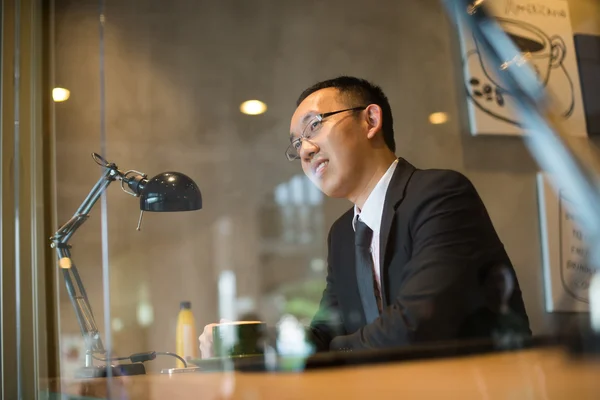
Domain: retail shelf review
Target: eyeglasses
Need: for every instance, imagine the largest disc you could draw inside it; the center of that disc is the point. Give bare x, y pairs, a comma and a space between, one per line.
310, 131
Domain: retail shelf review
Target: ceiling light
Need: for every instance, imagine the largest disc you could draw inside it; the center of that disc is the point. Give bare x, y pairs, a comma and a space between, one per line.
60, 94
117, 325
438, 118
253, 107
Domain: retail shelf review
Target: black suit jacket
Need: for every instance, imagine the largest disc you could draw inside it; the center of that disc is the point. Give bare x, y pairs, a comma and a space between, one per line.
436, 239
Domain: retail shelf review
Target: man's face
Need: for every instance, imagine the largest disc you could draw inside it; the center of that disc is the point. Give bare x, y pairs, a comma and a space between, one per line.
334, 157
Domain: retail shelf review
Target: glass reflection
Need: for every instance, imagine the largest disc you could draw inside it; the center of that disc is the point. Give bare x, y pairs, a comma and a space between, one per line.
259, 250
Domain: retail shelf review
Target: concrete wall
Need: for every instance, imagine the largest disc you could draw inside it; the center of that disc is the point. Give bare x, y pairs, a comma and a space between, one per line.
176, 73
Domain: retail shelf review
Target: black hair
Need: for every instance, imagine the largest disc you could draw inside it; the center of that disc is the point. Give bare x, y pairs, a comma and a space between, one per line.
363, 92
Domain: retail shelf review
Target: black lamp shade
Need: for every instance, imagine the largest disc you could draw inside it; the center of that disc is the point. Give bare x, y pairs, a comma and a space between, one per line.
170, 191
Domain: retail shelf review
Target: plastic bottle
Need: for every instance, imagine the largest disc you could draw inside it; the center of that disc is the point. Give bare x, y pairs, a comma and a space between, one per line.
187, 342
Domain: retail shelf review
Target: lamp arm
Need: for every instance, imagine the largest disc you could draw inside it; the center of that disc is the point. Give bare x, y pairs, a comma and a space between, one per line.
65, 232
73, 283
60, 242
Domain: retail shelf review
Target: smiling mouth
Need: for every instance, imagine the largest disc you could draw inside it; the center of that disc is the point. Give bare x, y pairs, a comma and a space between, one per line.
320, 170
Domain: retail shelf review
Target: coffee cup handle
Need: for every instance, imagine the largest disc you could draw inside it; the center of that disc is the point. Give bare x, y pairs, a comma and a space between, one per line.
558, 51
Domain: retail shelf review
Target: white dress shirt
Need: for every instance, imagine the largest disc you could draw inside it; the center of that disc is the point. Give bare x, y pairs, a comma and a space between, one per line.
371, 214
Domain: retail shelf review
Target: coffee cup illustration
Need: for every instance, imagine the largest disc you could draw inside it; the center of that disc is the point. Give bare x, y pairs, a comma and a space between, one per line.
542, 52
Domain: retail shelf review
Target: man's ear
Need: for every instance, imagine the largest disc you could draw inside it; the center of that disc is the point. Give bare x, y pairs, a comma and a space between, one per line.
374, 120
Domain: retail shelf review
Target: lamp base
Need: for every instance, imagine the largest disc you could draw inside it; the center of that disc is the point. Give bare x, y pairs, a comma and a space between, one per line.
101, 371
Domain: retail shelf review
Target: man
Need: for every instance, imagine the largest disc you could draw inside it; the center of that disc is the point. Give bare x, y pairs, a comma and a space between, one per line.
404, 261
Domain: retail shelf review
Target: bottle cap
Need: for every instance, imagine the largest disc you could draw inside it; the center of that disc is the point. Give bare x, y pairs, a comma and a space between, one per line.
185, 305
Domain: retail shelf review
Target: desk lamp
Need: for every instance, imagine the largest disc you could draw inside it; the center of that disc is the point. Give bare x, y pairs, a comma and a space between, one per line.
168, 191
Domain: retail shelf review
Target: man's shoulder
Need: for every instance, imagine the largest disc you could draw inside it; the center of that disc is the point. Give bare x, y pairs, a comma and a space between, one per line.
438, 180
423, 184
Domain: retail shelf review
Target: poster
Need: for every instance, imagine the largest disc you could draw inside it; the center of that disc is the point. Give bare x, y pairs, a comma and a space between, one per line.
541, 29
567, 272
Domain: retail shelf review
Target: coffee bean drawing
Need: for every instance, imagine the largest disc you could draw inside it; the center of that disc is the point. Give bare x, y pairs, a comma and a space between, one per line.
490, 92
475, 82
487, 89
499, 97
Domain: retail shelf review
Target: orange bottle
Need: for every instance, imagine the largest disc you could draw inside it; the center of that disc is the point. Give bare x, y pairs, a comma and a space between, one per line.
187, 341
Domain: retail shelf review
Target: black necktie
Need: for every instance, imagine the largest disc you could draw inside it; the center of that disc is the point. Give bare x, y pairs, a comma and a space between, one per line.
367, 286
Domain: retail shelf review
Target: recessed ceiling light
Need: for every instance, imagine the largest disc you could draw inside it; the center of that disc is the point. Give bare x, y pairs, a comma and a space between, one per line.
60, 94
253, 107
438, 118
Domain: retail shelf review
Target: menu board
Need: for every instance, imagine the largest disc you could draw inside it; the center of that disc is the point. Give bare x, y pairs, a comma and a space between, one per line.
567, 271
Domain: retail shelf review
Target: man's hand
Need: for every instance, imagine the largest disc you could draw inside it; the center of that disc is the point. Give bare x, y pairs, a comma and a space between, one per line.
206, 340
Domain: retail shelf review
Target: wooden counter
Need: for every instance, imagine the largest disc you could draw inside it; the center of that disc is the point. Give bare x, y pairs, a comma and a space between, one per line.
529, 374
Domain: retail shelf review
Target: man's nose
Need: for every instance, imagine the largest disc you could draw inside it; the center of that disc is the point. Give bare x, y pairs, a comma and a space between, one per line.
307, 149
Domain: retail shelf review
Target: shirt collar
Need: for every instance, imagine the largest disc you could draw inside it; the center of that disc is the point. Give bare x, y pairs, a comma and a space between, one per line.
373, 208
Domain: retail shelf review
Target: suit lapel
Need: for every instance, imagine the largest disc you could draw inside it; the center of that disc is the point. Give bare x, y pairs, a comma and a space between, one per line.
393, 198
